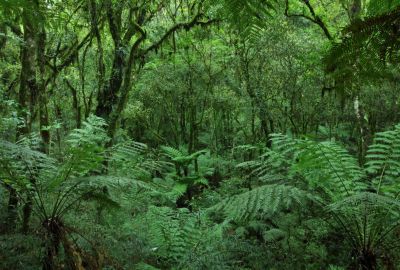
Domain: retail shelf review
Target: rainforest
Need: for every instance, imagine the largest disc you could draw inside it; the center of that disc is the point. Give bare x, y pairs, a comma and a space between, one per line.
199, 134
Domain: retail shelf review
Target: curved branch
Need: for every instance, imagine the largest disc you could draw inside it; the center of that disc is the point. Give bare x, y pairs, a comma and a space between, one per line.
194, 22
314, 18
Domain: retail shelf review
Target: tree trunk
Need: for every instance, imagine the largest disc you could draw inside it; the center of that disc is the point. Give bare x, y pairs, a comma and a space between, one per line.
33, 63
9, 223
75, 104
28, 88
42, 102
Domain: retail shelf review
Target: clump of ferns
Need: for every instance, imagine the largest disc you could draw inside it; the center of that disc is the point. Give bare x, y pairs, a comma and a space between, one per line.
361, 201
55, 188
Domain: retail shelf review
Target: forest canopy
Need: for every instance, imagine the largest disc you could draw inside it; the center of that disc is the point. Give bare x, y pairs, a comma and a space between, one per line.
199, 134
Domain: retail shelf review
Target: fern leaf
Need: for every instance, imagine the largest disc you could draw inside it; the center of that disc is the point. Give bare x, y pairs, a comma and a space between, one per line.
261, 202
383, 158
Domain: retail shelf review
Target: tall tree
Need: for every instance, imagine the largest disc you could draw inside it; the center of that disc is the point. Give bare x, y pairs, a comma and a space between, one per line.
127, 23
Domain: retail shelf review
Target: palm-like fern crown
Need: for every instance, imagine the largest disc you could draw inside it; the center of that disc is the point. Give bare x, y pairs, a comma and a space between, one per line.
326, 167
362, 200
77, 176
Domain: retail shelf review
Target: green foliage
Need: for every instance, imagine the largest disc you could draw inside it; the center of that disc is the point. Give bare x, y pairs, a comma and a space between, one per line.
172, 234
191, 134
383, 160
260, 203
367, 219
248, 17
324, 165
20, 251
368, 48
181, 157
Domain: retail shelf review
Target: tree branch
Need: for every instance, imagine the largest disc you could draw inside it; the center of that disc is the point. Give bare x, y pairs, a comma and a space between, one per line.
69, 59
194, 22
114, 22
314, 17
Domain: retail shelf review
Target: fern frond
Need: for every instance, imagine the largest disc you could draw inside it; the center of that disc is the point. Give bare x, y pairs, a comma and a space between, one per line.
383, 160
101, 198
248, 17
172, 152
273, 235
19, 164
171, 233
326, 164
269, 167
372, 202
114, 182
85, 151
285, 145
330, 166
261, 202
126, 151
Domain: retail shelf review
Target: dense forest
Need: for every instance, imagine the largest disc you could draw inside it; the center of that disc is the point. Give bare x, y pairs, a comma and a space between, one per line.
199, 134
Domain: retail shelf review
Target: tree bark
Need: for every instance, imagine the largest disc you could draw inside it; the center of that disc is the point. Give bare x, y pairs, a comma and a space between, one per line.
75, 104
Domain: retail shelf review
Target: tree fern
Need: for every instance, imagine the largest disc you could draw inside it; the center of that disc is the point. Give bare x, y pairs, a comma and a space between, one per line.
370, 221
172, 152
57, 186
181, 156
85, 149
187, 175
367, 217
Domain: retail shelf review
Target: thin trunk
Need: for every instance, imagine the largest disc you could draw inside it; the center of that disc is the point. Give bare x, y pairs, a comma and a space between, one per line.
253, 122
107, 97
27, 212
182, 120
354, 14
28, 88
75, 104
36, 34
42, 93
9, 223
257, 101
59, 119
364, 132
100, 61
